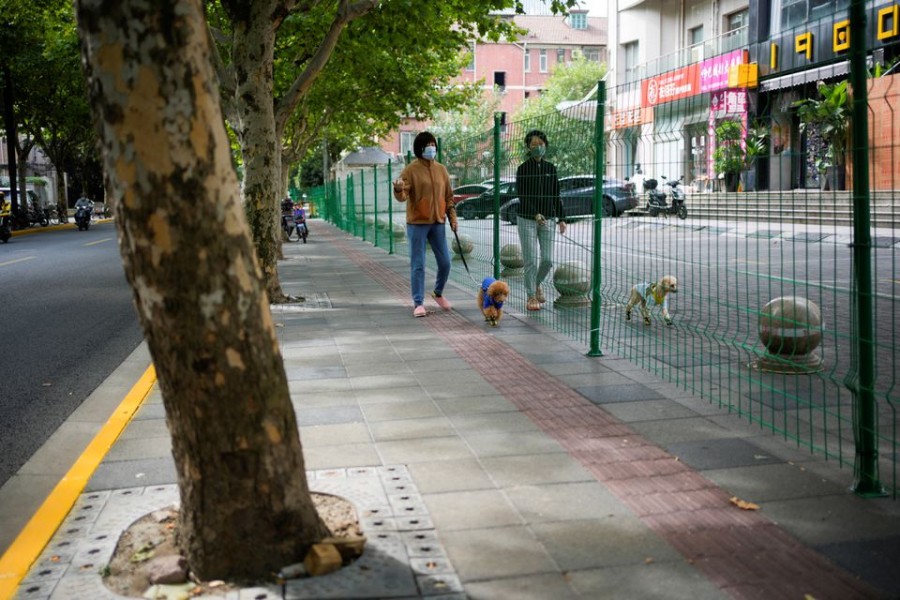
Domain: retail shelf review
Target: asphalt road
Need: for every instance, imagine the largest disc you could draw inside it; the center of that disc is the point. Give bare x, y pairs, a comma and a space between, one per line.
68, 322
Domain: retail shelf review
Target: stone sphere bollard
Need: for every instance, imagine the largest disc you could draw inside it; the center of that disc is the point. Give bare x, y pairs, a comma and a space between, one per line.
573, 282
398, 230
370, 220
463, 247
791, 329
512, 261
382, 223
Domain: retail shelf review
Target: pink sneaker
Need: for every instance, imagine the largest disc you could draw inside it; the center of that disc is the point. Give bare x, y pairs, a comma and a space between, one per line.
441, 301
420, 311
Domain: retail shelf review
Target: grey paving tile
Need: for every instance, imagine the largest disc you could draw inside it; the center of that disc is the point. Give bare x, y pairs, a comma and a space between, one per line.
391, 411
510, 471
375, 368
404, 394
590, 365
720, 453
140, 448
323, 399
580, 380
475, 405
461, 389
780, 481
648, 410
502, 421
129, 473
307, 373
387, 381
411, 428
669, 580
471, 509
437, 364
334, 435
480, 554
511, 443
533, 587
344, 455
565, 502
450, 476
150, 411
314, 386
604, 542
328, 415
388, 358
673, 431
825, 519
603, 394
875, 561
145, 429
449, 379
423, 450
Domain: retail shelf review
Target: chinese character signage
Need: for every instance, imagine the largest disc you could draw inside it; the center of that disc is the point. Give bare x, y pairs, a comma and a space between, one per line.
714, 71
674, 85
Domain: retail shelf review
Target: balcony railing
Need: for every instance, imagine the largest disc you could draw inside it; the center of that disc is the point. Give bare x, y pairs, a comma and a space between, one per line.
732, 40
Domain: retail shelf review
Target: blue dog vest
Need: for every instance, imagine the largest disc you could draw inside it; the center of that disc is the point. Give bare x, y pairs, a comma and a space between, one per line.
488, 301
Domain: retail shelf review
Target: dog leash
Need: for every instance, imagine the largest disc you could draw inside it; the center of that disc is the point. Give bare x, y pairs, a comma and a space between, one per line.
463, 257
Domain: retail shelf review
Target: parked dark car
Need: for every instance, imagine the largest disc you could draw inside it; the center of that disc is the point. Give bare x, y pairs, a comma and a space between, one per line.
479, 207
577, 195
470, 190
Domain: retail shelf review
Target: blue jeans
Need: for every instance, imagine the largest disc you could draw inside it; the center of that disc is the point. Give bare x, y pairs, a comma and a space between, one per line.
436, 235
535, 238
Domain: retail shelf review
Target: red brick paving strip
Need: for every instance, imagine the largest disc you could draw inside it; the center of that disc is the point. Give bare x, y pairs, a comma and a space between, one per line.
741, 552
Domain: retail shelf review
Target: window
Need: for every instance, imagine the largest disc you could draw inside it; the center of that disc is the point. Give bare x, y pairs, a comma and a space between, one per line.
560, 56
527, 66
406, 142
592, 54
737, 20
543, 59
471, 66
630, 50
578, 20
500, 80
695, 36
793, 13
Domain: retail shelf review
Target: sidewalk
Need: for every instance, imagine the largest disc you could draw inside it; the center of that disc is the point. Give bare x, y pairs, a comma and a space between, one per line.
500, 463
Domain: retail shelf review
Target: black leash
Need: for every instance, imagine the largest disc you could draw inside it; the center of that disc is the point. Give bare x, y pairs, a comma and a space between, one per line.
463, 256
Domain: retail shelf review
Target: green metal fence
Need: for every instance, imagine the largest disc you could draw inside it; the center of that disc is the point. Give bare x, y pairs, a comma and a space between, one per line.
786, 310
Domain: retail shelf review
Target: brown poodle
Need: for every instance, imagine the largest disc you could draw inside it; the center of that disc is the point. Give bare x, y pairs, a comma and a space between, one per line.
491, 296
654, 293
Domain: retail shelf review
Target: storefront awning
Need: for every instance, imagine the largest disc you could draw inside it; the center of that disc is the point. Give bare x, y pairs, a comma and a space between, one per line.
810, 75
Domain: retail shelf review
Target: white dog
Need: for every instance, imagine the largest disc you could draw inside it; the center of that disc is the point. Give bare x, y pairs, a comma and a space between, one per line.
654, 293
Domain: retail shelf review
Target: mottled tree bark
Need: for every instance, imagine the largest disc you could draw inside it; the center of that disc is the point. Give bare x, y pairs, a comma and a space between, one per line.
245, 505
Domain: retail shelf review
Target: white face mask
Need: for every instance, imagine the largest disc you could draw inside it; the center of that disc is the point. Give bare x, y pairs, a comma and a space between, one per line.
429, 152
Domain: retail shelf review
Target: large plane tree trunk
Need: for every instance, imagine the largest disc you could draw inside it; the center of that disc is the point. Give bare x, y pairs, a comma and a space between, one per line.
246, 509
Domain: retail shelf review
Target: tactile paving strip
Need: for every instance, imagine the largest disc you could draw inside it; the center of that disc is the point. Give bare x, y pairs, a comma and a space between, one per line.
403, 556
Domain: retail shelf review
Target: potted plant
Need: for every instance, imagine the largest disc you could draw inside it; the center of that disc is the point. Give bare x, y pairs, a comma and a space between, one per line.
757, 146
830, 115
728, 157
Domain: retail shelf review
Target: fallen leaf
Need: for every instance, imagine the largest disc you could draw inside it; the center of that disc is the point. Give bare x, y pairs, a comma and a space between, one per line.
649, 560
743, 504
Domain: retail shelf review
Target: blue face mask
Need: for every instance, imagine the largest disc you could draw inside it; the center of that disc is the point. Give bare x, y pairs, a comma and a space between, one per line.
429, 152
538, 151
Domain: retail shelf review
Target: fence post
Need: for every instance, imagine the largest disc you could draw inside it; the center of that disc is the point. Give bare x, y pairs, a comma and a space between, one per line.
497, 150
862, 383
599, 168
390, 229
362, 201
374, 204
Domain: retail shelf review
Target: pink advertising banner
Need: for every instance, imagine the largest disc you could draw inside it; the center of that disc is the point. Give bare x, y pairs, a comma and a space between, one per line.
714, 71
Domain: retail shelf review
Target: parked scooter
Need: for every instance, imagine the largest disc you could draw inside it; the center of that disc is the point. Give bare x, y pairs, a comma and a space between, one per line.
83, 217
657, 200
5, 218
302, 229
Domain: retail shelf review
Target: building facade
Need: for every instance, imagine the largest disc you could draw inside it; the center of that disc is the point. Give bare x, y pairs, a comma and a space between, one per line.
520, 68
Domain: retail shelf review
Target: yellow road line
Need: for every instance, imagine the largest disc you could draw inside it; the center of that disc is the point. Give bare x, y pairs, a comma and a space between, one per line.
99, 241
18, 260
37, 533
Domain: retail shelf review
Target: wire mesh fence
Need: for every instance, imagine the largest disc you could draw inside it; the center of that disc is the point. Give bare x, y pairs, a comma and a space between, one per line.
765, 320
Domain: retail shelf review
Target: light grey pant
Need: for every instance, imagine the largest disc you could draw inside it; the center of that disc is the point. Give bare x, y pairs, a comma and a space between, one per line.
536, 240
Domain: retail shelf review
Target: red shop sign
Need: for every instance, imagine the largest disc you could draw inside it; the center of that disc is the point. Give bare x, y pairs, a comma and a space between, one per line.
681, 83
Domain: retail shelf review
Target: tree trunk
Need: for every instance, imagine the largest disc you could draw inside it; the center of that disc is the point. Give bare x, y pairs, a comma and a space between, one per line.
245, 505
62, 204
254, 49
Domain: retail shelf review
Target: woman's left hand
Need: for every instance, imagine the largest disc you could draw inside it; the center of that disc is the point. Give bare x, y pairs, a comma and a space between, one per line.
562, 227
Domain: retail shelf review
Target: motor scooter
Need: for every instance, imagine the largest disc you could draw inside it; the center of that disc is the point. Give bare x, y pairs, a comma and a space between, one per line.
287, 224
5, 225
657, 200
83, 217
302, 229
